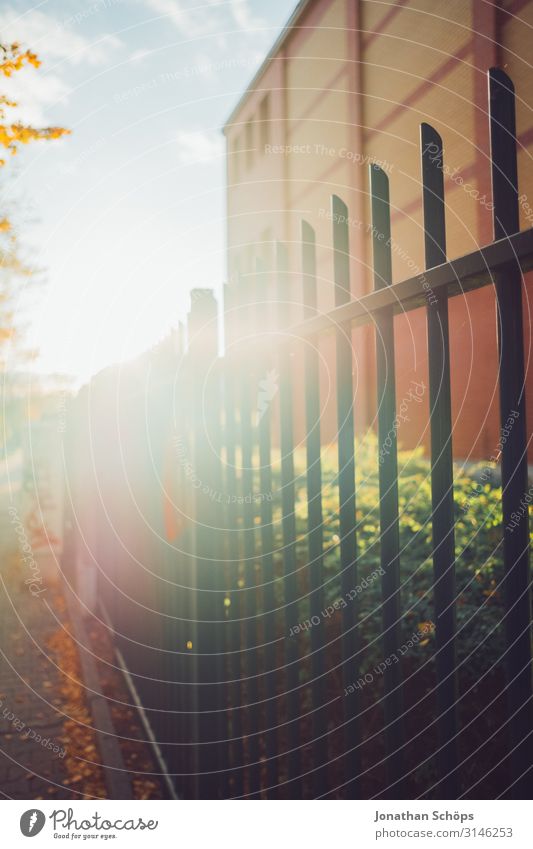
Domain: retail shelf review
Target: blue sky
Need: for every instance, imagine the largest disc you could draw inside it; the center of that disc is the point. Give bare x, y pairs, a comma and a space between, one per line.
126, 215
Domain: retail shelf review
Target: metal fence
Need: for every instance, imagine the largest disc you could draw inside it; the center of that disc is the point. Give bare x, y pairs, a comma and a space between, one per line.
252, 682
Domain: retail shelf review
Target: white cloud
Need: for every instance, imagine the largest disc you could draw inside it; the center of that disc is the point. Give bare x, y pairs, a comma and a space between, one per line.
99, 51
205, 65
206, 17
189, 20
56, 43
55, 38
35, 92
139, 55
244, 17
199, 146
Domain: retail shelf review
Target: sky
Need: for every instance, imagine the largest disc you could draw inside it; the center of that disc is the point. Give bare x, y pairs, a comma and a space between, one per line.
126, 214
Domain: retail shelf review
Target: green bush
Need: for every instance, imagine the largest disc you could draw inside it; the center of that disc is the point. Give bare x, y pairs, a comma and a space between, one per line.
478, 548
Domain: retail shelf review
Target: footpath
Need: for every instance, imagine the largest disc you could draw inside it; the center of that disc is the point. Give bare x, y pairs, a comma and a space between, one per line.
60, 737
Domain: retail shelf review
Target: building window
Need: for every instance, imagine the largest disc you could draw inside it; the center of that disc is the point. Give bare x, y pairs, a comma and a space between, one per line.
249, 260
264, 121
236, 157
265, 246
249, 142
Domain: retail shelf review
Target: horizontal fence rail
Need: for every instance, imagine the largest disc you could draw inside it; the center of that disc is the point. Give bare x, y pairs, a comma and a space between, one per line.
456, 277
235, 567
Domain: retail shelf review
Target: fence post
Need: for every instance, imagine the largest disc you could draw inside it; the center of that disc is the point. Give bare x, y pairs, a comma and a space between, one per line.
209, 608
247, 377
288, 526
443, 522
514, 449
346, 461
388, 484
264, 413
235, 730
315, 533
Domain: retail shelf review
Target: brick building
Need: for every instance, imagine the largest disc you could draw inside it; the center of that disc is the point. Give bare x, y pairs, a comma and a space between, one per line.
348, 82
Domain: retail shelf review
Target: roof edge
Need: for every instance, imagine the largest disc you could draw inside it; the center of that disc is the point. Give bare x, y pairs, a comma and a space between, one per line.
278, 43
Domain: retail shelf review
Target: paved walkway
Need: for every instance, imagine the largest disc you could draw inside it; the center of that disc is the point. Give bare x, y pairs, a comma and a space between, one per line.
48, 747
32, 725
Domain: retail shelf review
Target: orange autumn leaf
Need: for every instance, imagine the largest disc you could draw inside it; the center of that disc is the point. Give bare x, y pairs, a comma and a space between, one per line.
14, 134
13, 59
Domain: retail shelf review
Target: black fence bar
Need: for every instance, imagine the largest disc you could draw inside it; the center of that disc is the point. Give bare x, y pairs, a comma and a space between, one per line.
234, 642
443, 523
217, 577
203, 351
346, 480
388, 485
248, 381
188, 787
289, 529
234, 665
265, 497
514, 450
315, 533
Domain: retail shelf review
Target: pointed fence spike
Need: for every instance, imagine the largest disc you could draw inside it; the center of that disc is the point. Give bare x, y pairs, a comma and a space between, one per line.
388, 485
443, 521
508, 285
